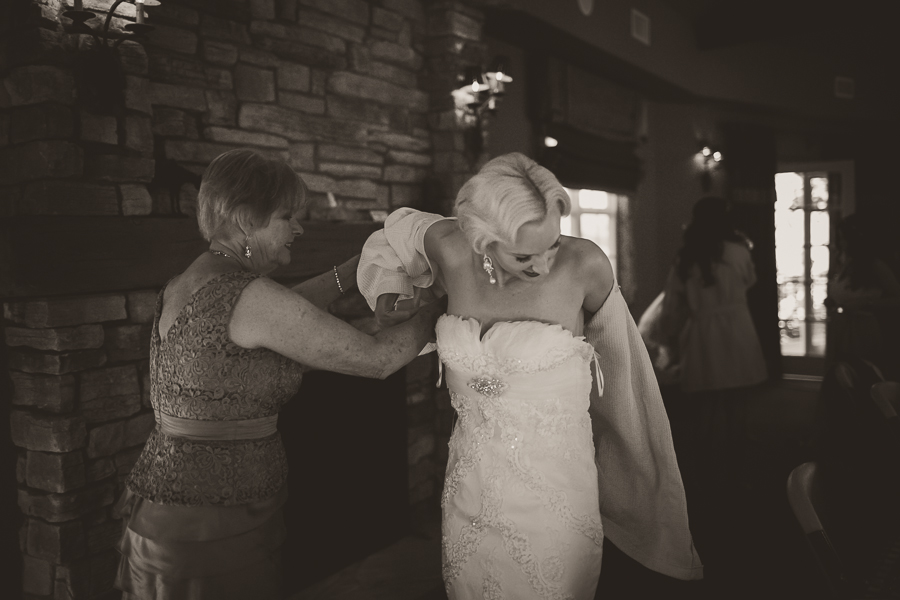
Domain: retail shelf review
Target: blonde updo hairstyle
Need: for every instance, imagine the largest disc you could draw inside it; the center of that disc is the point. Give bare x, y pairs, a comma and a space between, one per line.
243, 188
507, 192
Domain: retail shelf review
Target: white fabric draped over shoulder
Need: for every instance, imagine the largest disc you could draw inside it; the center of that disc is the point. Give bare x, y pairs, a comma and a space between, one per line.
393, 259
642, 500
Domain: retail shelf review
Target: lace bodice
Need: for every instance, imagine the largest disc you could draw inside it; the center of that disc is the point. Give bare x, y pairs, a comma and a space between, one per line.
521, 454
197, 372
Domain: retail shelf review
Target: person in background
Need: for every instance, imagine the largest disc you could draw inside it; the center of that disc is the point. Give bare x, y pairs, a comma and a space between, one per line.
720, 356
863, 296
203, 504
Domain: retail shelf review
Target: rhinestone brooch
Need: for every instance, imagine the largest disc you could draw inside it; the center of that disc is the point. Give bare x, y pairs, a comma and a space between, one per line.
487, 386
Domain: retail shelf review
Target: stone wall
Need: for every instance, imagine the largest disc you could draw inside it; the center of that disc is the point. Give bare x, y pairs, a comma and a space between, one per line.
354, 94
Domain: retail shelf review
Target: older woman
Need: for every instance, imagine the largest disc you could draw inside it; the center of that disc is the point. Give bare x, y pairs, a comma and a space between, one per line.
228, 348
529, 474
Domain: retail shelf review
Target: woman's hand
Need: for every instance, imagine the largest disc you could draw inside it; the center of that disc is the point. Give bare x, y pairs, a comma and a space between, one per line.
388, 311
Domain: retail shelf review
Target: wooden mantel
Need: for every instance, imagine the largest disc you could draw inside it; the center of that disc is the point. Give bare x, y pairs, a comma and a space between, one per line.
50, 256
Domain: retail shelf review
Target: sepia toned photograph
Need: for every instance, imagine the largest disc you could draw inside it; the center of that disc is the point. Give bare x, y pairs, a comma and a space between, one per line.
449, 300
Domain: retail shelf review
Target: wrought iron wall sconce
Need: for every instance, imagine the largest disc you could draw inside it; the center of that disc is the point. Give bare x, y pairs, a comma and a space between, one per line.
709, 159
101, 80
479, 92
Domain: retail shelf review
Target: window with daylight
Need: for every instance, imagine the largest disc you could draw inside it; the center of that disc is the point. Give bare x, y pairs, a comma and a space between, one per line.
802, 258
593, 217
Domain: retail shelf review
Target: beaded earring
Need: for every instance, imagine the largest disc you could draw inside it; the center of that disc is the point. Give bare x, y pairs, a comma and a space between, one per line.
247, 252
488, 267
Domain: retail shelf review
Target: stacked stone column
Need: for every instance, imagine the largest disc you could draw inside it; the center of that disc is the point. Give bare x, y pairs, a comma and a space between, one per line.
78, 364
80, 418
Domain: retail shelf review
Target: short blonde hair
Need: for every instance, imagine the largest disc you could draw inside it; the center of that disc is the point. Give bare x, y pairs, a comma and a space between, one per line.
507, 192
244, 188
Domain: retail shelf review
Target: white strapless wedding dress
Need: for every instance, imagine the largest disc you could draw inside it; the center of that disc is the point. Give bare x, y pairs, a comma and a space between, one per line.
520, 504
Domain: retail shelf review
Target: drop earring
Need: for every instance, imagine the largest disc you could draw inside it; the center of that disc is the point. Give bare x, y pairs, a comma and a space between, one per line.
247, 252
488, 267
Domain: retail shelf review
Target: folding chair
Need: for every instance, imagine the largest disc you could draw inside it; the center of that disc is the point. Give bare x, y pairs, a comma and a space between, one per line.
886, 395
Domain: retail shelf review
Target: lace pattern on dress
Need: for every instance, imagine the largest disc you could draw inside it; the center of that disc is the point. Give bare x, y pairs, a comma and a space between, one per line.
468, 459
174, 470
550, 425
197, 372
553, 498
544, 575
517, 546
510, 441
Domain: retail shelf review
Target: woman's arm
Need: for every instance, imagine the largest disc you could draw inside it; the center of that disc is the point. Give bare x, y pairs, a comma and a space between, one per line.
272, 316
323, 290
426, 243
675, 311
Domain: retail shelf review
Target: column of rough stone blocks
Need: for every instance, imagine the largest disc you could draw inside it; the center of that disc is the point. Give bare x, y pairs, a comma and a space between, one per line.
79, 421
61, 158
118, 145
454, 43
39, 153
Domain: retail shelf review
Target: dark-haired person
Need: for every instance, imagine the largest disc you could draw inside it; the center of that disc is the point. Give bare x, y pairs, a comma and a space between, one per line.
203, 503
705, 306
864, 293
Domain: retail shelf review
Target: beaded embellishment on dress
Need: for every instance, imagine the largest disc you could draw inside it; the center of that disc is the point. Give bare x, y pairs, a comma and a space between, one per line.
487, 386
520, 502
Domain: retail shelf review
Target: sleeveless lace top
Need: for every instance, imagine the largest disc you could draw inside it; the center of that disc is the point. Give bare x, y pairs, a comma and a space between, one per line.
197, 372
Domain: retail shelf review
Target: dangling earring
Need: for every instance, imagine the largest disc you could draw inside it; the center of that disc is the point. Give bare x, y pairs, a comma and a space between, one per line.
247, 252
488, 267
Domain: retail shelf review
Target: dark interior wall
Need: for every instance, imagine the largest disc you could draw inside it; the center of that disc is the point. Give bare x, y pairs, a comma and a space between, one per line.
671, 183
510, 129
796, 74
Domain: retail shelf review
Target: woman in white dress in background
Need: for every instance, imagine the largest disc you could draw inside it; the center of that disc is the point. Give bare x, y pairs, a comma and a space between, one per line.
720, 357
539, 466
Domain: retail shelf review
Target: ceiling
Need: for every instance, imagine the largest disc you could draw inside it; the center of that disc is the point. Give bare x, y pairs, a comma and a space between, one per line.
858, 26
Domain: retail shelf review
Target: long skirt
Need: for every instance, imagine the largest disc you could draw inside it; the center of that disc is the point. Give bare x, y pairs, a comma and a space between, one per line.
172, 552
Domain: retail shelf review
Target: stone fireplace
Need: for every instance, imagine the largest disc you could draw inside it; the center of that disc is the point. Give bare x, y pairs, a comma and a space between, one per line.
96, 213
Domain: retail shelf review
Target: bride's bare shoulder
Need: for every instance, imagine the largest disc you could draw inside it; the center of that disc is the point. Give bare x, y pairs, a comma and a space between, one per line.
444, 239
584, 254
589, 267
443, 229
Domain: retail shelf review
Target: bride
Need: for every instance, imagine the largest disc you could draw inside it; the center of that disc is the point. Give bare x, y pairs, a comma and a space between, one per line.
540, 465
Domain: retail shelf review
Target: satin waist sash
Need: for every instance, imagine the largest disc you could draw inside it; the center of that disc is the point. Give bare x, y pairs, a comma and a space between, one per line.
192, 429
